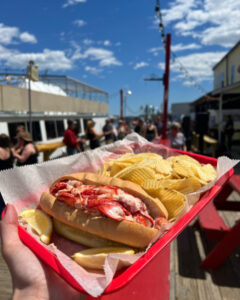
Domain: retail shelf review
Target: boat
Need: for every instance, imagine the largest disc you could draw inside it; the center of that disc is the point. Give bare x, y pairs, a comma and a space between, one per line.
55, 99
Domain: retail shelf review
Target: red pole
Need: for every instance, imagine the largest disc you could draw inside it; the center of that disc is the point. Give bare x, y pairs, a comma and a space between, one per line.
166, 86
121, 104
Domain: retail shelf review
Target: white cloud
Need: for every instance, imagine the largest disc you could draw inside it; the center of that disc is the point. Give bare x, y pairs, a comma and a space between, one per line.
199, 65
88, 42
180, 47
105, 57
7, 34
12, 35
79, 23
221, 17
48, 59
107, 43
155, 49
118, 44
140, 65
72, 2
6, 53
178, 10
27, 37
93, 70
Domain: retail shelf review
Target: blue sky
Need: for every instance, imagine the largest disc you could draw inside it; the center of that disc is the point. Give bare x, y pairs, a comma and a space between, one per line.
116, 44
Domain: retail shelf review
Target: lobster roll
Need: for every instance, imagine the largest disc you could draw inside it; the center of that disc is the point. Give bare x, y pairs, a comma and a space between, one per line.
105, 207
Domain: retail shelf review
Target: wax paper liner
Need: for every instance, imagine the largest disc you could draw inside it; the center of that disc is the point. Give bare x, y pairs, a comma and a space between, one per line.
23, 186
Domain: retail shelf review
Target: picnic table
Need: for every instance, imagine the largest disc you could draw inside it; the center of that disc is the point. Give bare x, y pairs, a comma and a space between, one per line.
215, 228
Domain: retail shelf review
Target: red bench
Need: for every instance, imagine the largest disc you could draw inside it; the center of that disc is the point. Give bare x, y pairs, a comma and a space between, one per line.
211, 222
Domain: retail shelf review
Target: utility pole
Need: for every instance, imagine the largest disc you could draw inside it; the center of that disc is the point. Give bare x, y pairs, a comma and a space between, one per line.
165, 80
166, 86
32, 74
121, 104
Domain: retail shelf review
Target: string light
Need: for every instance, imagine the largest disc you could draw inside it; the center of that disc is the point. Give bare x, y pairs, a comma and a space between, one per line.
175, 59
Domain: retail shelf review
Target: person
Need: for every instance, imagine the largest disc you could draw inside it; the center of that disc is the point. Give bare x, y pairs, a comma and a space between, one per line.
20, 128
150, 132
229, 130
82, 140
92, 135
127, 127
71, 140
140, 127
6, 155
31, 278
177, 138
108, 132
159, 125
121, 130
115, 132
28, 153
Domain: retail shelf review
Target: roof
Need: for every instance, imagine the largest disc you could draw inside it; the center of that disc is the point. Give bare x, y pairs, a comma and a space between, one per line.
224, 57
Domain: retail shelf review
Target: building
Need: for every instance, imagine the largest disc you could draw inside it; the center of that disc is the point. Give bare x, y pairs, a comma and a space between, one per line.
224, 99
180, 109
227, 72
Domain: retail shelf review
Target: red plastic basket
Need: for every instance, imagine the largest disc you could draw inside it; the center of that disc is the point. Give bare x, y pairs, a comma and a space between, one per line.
122, 279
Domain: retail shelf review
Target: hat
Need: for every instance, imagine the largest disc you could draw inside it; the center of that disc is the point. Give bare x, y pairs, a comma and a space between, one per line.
26, 136
175, 125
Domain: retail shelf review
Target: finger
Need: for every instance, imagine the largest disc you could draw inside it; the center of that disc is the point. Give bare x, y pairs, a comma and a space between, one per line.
9, 231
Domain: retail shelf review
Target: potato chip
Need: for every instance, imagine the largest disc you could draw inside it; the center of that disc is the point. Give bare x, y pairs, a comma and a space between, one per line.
183, 158
133, 158
151, 163
123, 172
167, 182
166, 179
186, 185
151, 185
139, 175
209, 172
183, 169
118, 166
164, 167
205, 173
160, 177
174, 201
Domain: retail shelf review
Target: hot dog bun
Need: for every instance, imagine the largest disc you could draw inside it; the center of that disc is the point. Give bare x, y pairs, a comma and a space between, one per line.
125, 232
82, 237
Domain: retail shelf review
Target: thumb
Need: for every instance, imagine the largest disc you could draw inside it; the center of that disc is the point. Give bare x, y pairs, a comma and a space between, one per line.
9, 230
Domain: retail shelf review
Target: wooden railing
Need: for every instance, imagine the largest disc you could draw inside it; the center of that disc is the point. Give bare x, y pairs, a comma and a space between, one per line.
48, 149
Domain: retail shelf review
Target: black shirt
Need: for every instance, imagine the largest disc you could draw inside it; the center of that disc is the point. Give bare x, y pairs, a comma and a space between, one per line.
6, 163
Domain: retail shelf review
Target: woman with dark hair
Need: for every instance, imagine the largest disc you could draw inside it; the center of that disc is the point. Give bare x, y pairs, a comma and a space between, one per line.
6, 156
92, 135
28, 153
150, 131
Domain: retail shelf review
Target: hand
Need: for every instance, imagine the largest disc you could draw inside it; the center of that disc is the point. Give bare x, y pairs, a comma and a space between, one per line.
31, 278
13, 151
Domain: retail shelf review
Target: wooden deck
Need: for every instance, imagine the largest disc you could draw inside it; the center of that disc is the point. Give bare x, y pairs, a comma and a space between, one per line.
187, 280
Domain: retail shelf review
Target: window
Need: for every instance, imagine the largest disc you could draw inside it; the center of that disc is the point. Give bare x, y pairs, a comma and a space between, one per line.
12, 130
51, 129
220, 80
36, 131
78, 126
60, 128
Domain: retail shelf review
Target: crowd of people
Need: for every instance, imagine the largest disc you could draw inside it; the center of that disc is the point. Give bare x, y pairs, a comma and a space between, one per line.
23, 151
116, 130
